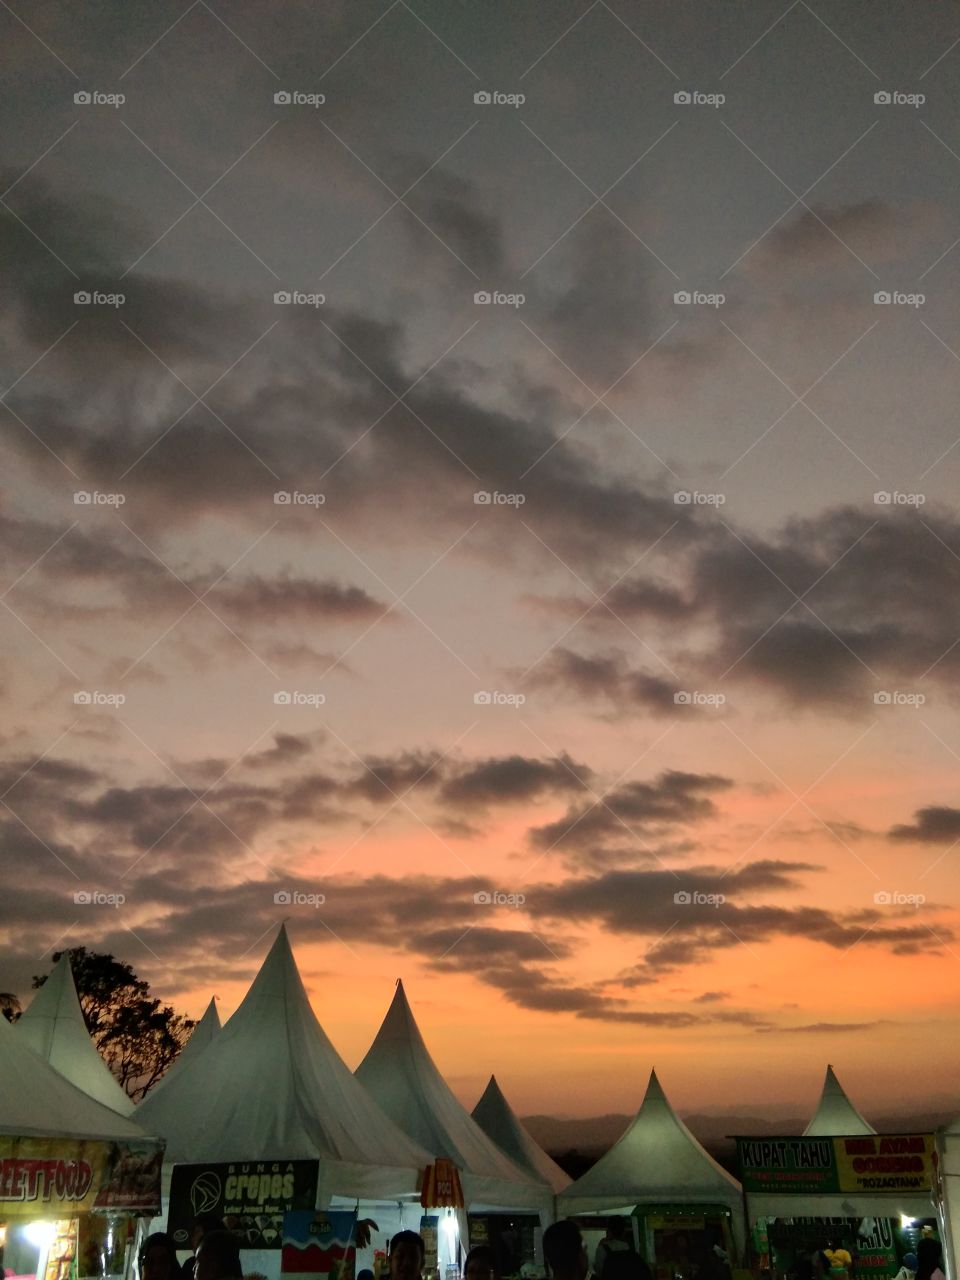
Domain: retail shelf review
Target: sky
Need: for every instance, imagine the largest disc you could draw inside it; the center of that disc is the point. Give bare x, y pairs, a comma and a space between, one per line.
478, 484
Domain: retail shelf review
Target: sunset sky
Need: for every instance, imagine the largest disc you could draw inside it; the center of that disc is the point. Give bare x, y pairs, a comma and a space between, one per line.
707, 818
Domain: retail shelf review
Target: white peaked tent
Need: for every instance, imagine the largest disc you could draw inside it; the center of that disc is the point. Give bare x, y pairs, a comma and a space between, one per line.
37, 1101
657, 1161
200, 1037
54, 1027
948, 1149
270, 1085
836, 1116
498, 1121
401, 1076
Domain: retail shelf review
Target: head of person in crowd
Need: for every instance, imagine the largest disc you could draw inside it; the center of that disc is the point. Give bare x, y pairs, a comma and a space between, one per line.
564, 1251
929, 1259
407, 1252
481, 1264
158, 1258
218, 1257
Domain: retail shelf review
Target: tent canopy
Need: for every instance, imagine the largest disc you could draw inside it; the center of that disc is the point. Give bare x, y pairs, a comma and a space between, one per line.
270, 1085
37, 1101
657, 1160
200, 1037
54, 1027
836, 1116
402, 1077
499, 1122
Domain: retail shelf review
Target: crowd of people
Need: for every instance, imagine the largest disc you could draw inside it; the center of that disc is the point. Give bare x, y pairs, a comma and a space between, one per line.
216, 1256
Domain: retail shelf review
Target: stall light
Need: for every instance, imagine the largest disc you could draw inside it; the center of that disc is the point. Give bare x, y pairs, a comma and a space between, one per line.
449, 1223
41, 1234
905, 1222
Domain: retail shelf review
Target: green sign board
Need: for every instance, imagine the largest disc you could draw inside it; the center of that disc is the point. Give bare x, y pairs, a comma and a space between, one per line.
794, 1165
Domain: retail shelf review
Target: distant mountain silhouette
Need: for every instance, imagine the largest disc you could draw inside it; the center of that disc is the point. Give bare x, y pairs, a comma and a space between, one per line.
576, 1144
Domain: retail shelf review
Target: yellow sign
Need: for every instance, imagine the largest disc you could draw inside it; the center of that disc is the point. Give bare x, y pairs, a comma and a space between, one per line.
886, 1162
62, 1177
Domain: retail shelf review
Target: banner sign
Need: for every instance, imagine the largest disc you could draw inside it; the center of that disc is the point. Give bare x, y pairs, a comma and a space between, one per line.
886, 1162
318, 1245
825, 1166
440, 1186
63, 1177
251, 1197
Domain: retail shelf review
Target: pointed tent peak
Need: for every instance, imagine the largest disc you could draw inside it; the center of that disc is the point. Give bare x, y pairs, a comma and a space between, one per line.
278, 977
492, 1095
399, 1026
655, 1091
835, 1114
501, 1124
210, 1015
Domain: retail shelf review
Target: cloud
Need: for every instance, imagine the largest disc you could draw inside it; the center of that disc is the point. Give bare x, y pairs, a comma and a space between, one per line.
512, 779
632, 811
932, 825
828, 1028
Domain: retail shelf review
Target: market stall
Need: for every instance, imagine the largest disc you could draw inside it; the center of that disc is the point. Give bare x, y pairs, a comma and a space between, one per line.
76, 1178
839, 1186
947, 1194
682, 1204
402, 1077
512, 1237
267, 1120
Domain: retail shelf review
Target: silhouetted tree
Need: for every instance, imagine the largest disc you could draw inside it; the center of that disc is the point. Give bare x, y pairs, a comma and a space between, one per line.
137, 1036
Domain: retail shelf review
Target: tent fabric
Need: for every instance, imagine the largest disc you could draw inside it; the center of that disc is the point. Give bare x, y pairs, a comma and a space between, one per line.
836, 1116
36, 1101
499, 1122
54, 1027
270, 1085
400, 1075
200, 1037
656, 1161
